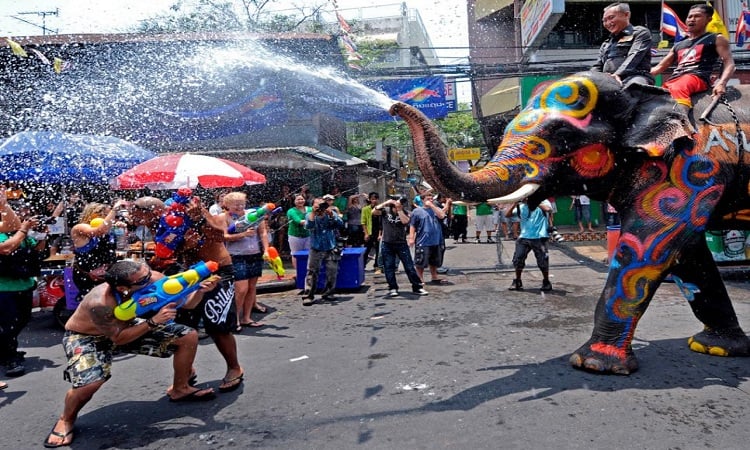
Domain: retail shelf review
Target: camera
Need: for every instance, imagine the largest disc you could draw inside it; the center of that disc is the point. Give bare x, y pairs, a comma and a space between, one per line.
403, 200
46, 220
556, 235
322, 206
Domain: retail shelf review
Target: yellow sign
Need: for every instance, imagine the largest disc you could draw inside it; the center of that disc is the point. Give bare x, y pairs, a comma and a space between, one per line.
464, 154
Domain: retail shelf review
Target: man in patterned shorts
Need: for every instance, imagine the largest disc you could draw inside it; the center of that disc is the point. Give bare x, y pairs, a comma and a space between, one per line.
93, 334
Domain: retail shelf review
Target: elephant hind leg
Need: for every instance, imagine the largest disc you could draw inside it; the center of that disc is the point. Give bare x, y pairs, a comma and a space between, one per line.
700, 281
604, 359
727, 342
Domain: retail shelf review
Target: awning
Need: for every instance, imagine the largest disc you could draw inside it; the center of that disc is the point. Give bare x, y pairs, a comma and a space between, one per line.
484, 8
502, 98
301, 157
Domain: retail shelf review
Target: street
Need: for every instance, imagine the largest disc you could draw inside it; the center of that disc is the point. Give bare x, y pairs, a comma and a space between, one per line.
471, 366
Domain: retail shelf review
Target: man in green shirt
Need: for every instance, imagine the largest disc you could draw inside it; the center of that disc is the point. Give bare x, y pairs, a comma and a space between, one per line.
459, 221
483, 222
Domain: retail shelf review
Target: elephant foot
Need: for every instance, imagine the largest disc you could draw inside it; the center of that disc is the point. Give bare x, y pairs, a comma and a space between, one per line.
732, 342
604, 359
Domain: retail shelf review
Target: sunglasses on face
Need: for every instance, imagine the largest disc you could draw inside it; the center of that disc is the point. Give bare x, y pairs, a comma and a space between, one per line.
142, 281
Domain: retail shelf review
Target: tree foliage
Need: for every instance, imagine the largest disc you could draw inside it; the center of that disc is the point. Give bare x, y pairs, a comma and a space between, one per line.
232, 15
459, 130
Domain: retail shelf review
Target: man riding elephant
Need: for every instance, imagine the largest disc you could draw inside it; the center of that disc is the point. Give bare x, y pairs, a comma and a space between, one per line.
696, 57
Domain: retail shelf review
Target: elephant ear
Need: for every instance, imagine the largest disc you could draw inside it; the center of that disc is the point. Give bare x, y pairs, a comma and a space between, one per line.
655, 125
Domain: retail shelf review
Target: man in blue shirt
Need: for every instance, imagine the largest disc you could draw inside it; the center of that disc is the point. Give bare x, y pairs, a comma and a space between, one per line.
322, 223
533, 237
426, 231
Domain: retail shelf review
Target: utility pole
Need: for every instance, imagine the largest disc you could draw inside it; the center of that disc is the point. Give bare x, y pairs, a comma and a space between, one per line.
43, 15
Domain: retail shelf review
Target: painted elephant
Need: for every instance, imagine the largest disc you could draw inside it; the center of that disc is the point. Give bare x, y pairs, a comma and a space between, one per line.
584, 134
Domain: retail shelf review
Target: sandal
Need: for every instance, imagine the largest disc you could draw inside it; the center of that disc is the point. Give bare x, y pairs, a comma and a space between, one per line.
231, 385
198, 395
57, 434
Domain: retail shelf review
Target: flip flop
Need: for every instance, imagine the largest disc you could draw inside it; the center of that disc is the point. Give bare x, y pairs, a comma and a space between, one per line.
62, 436
234, 383
3, 385
193, 380
261, 309
194, 397
253, 324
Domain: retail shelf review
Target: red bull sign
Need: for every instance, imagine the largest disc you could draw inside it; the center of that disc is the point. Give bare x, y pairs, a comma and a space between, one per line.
428, 94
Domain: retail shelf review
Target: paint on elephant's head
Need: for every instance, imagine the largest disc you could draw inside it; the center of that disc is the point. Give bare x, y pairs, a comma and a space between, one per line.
570, 137
559, 125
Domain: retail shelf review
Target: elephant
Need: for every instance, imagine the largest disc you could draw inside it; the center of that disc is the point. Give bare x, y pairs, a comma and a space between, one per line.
669, 177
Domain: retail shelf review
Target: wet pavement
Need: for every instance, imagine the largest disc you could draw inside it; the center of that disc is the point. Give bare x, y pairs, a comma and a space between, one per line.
471, 366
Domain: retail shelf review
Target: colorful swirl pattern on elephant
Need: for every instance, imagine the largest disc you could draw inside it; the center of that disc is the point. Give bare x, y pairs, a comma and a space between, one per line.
670, 182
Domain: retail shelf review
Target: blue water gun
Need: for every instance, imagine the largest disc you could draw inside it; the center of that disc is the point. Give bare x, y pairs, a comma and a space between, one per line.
174, 288
252, 216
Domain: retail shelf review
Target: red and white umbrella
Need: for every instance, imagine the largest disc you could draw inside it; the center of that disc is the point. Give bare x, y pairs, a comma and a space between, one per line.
175, 170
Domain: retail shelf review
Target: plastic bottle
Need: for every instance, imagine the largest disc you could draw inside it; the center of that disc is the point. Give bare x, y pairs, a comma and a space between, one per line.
121, 237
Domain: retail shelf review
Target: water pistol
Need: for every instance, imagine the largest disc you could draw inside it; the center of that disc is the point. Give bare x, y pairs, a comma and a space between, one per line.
173, 224
174, 288
274, 260
252, 216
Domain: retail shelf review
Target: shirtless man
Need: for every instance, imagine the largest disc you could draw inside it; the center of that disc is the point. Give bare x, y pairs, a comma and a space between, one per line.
93, 334
203, 242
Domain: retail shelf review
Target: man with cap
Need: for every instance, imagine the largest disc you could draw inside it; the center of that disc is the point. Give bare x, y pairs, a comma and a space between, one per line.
425, 231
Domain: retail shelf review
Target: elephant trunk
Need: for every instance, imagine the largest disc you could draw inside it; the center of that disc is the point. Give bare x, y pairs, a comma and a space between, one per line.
494, 180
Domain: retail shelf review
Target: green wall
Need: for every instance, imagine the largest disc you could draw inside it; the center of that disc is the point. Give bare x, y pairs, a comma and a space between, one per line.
565, 215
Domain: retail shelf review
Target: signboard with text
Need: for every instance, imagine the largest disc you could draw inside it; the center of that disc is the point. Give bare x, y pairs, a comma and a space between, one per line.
538, 17
464, 154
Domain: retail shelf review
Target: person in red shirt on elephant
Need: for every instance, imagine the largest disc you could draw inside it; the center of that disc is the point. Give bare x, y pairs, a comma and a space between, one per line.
696, 57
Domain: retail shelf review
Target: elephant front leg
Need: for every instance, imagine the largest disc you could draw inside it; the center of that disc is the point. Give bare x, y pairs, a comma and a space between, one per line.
622, 303
609, 350
700, 282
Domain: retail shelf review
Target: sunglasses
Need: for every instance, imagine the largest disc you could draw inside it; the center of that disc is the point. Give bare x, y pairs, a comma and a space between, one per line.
143, 281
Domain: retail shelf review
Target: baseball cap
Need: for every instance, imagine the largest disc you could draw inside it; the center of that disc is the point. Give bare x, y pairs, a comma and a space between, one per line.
329, 197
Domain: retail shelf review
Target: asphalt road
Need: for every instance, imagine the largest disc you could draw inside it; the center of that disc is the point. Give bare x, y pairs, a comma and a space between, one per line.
471, 366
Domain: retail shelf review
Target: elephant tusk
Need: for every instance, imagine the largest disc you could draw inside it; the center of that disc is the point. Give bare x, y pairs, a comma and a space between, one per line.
517, 195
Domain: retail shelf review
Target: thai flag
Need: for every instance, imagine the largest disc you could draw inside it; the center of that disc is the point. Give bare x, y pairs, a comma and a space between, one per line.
743, 28
671, 25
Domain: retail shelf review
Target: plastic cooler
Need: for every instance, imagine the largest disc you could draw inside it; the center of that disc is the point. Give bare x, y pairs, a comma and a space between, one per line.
613, 235
71, 291
351, 269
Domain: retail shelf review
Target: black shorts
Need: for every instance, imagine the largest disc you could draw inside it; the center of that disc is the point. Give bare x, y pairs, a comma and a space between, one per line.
217, 308
428, 256
538, 246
